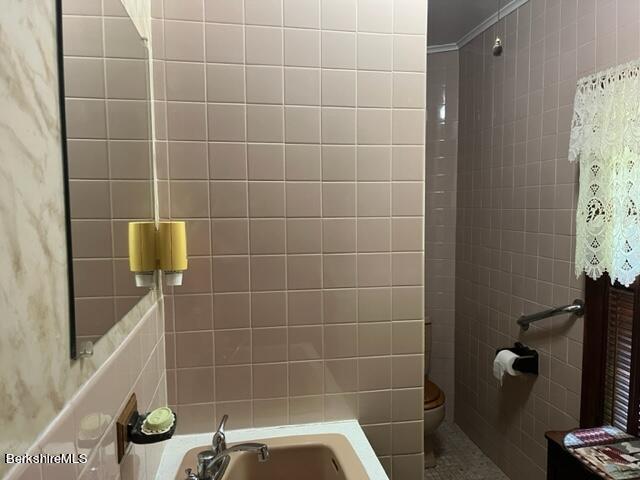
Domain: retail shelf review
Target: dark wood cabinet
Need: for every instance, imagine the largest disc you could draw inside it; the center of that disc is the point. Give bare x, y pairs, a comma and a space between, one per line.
561, 465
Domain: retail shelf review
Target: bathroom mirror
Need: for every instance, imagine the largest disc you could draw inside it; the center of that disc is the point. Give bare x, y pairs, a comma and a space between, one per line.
107, 150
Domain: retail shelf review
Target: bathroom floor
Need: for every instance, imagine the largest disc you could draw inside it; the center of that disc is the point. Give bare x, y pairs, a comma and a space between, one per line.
458, 458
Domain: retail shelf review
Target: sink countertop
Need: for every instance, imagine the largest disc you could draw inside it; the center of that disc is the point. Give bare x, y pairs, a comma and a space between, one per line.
179, 445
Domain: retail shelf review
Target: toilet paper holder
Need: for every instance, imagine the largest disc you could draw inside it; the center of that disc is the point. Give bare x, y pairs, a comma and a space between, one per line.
528, 358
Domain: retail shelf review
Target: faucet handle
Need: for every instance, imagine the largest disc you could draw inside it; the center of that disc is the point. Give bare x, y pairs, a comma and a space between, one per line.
223, 423
218, 442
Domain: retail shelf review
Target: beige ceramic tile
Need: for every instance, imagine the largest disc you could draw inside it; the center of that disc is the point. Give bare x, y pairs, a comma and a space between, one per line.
304, 272
340, 306
231, 310
224, 43
268, 236
226, 83
268, 273
305, 343
83, 36
340, 341
230, 274
338, 162
183, 41
269, 345
341, 375
339, 14
339, 88
268, 309
226, 123
339, 235
264, 45
265, 123
375, 15
304, 235
194, 349
375, 52
302, 13
302, 125
266, 199
270, 380
271, 412
338, 50
263, 12
195, 385
223, 11
233, 383
265, 161
302, 86
374, 89
264, 84
232, 347
339, 271
306, 378
305, 307
301, 47
303, 162
306, 409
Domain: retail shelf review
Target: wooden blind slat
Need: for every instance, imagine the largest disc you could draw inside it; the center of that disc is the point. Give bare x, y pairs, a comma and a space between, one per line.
618, 386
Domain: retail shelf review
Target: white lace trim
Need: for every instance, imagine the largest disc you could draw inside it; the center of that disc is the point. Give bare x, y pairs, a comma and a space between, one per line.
605, 139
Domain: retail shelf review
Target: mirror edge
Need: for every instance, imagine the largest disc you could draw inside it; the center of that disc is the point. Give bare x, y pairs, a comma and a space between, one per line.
65, 174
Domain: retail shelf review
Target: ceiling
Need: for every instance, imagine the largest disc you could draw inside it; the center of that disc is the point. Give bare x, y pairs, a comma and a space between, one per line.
450, 20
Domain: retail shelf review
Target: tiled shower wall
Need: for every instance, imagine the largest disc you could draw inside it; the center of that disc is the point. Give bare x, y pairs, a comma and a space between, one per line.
294, 148
516, 229
440, 219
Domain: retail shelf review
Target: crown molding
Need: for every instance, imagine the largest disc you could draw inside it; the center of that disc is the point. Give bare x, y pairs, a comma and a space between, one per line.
510, 7
492, 20
447, 47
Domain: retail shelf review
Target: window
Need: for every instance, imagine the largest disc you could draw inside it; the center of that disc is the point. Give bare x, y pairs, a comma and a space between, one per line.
611, 361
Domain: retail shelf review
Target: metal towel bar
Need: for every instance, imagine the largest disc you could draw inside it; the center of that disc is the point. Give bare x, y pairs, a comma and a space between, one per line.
576, 308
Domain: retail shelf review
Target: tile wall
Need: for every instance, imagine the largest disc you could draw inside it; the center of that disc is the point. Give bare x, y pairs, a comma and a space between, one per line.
515, 227
109, 156
440, 219
87, 423
292, 134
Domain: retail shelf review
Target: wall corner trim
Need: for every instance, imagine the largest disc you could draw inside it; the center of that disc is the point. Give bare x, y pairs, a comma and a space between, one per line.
478, 29
492, 20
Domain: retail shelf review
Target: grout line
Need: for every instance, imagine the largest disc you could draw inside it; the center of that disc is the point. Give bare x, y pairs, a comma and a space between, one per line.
247, 182
390, 358
210, 213
321, 220
286, 217
356, 213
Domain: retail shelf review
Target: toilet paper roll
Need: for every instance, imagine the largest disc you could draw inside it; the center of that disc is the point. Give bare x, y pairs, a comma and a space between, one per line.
503, 364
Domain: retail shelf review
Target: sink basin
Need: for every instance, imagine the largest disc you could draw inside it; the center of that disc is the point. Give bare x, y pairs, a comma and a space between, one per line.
316, 457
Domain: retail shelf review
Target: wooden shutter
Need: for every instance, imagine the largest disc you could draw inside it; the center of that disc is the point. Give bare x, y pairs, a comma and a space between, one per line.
611, 357
619, 350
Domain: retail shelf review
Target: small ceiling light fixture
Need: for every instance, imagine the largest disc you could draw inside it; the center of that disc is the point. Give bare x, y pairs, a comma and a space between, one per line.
497, 46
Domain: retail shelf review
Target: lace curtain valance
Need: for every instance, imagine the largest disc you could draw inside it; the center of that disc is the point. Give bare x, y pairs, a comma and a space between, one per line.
605, 139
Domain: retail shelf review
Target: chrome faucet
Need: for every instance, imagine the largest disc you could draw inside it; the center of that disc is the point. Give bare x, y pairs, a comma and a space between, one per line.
213, 463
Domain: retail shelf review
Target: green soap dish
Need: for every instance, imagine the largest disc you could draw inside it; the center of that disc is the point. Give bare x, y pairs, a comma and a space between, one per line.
159, 420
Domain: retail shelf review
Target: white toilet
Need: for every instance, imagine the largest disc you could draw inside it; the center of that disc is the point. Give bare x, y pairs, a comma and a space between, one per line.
434, 410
